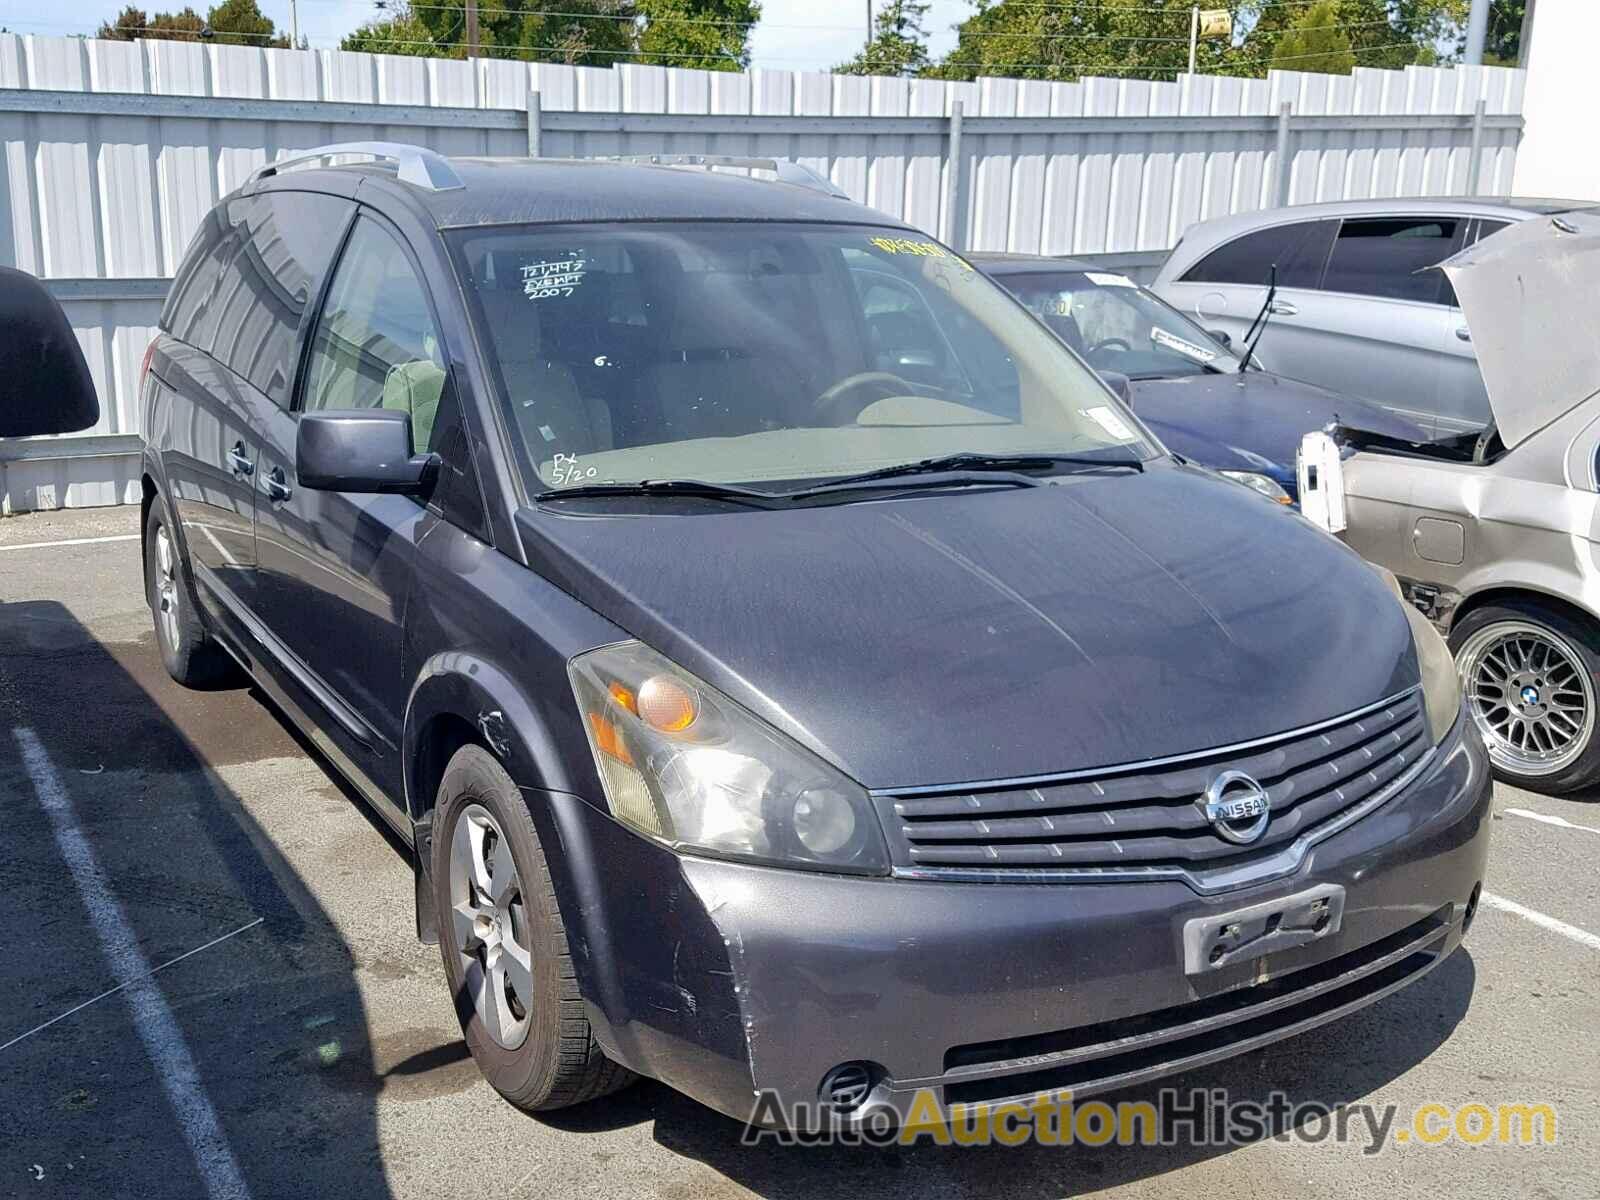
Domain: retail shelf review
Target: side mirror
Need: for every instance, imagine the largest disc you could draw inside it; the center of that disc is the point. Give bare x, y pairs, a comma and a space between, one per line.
47, 387
1220, 335
1118, 383
360, 450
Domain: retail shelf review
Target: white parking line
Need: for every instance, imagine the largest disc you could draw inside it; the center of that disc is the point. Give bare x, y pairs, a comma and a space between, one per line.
157, 1027
1582, 936
1558, 822
118, 537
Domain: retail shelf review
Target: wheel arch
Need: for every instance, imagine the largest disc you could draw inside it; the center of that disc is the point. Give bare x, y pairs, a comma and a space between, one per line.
1518, 593
459, 698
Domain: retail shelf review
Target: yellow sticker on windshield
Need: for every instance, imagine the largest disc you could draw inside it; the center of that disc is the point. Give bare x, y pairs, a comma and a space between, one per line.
921, 249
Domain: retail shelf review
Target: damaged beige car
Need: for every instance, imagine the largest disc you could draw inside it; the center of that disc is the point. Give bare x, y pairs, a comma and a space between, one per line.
1495, 535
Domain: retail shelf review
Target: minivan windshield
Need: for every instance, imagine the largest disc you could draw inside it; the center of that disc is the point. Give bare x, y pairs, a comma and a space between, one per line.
1118, 326
767, 355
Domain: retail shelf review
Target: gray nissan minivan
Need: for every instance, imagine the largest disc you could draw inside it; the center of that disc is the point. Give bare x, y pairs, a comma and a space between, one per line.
797, 674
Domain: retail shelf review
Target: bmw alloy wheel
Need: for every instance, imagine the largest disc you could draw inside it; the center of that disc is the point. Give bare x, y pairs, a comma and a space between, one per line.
491, 926
1529, 695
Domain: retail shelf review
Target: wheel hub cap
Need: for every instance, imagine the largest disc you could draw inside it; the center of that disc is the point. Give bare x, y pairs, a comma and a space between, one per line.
1530, 696
489, 920
167, 588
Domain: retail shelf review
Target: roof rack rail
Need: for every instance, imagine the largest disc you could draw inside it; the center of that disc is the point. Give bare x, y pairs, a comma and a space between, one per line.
787, 172
416, 165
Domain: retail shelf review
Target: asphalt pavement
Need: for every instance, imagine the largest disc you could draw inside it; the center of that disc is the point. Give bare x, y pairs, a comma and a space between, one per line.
209, 982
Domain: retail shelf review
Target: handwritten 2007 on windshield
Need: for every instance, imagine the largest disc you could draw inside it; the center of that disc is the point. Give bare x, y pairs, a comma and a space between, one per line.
543, 280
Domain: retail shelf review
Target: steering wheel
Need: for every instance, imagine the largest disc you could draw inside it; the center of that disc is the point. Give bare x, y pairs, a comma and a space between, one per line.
1110, 343
846, 400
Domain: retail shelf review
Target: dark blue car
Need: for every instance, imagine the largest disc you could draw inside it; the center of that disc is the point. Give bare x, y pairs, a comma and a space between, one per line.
794, 676
1190, 386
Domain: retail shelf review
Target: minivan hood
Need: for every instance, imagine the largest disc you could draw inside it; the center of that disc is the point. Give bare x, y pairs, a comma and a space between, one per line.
1253, 420
963, 636
1525, 293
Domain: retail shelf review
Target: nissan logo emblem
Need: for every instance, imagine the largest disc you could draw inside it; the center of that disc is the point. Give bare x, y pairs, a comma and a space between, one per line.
1237, 807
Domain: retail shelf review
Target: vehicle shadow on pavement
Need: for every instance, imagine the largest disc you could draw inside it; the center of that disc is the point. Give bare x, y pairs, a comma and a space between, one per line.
260, 983
1338, 1064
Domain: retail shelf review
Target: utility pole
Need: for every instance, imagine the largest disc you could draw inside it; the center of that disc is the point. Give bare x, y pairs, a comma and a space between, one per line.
294, 24
472, 28
869, 22
1477, 27
1194, 34
1526, 36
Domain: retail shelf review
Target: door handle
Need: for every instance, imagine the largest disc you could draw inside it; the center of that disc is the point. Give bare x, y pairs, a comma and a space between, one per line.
278, 485
1283, 308
1463, 333
240, 461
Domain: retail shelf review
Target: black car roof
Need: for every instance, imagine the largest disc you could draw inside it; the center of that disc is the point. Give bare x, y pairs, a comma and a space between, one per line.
505, 191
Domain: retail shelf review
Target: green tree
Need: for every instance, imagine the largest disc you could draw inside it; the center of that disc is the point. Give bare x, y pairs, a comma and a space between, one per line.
898, 47
1145, 39
402, 33
710, 35
1382, 33
235, 22
1315, 42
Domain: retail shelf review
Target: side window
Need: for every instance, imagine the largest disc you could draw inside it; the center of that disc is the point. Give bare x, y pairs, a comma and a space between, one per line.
376, 345
1299, 250
1391, 257
189, 314
287, 240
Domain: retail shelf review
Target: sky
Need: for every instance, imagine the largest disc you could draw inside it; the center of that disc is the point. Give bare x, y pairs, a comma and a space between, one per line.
796, 35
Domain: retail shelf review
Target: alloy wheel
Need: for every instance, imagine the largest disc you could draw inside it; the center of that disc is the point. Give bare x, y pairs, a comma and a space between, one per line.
490, 921
167, 590
1529, 695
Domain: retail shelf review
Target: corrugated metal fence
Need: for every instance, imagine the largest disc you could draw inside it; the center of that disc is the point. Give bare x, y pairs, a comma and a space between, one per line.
114, 151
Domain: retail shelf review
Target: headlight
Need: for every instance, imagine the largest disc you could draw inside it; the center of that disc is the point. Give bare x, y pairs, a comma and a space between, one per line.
1265, 484
1441, 685
689, 768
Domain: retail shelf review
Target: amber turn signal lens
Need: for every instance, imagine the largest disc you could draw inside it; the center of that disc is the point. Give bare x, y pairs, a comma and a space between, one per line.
623, 698
667, 705
608, 739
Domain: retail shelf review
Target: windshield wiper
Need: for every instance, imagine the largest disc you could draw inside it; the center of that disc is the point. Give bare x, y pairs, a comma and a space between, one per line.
1009, 464
1259, 325
663, 487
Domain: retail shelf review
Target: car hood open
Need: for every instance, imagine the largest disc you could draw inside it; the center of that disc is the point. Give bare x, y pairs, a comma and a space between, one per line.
1526, 292
962, 636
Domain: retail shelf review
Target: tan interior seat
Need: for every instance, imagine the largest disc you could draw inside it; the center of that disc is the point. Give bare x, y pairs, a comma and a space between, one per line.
414, 388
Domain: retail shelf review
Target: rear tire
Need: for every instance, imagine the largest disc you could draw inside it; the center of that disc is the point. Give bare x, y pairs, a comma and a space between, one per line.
1529, 672
190, 654
505, 947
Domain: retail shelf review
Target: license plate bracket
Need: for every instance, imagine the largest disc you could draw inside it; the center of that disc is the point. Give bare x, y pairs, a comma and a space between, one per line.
1226, 939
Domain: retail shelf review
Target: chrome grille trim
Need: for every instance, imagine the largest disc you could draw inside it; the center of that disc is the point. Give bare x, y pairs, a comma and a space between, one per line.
1277, 863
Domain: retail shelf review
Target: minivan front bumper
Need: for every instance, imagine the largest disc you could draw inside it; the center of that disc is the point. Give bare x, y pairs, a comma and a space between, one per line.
727, 980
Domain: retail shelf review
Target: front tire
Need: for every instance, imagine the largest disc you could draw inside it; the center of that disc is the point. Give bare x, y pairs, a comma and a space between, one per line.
505, 947
190, 654
1529, 674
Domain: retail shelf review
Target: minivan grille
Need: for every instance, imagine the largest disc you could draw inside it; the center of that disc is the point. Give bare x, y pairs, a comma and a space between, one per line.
1149, 818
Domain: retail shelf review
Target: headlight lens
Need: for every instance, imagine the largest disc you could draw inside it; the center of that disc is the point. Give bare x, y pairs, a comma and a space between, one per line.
1265, 484
1441, 685
687, 767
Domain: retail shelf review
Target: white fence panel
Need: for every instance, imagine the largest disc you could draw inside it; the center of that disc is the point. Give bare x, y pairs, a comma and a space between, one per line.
111, 153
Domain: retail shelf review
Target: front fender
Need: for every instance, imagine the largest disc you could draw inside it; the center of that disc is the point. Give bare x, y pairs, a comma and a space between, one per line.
461, 684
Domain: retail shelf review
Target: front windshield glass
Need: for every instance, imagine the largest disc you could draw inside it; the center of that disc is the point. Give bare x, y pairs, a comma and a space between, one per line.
1118, 326
766, 355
